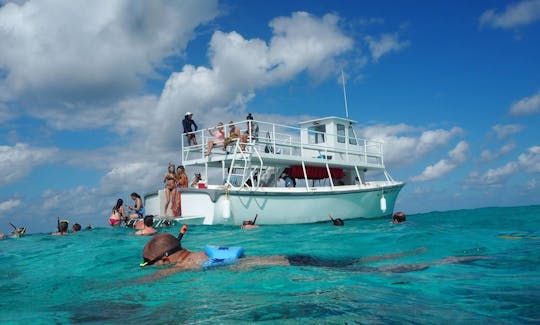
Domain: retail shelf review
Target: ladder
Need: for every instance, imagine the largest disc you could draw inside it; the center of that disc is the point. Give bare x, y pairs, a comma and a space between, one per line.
242, 173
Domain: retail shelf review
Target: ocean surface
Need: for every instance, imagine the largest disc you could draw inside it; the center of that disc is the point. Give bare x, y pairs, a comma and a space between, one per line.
91, 276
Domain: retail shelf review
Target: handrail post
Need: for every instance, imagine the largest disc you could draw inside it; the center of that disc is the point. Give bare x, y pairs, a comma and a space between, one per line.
274, 137
305, 174
330, 176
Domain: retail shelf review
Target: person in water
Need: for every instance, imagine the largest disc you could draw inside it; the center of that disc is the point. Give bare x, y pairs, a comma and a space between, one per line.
76, 227
148, 228
399, 217
165, 249
63, 226
138, 209
337, 221
118, 214
250, 224
17, 232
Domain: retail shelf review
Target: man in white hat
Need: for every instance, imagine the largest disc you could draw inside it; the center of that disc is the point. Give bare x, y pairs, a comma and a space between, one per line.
187, 123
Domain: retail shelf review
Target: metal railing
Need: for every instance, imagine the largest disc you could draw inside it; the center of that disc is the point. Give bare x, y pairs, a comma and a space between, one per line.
278, 139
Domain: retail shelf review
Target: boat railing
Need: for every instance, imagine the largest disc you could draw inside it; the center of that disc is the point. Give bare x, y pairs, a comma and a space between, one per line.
277, 139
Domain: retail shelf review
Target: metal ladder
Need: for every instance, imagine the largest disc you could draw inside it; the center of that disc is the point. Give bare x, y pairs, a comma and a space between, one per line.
241, 170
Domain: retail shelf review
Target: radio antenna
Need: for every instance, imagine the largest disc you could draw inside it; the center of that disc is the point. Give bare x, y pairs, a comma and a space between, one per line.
344, 94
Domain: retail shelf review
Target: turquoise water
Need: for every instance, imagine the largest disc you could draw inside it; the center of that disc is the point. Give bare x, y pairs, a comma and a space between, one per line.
90, 277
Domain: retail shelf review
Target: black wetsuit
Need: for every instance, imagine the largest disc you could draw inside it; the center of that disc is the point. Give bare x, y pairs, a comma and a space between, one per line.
306, 260
351, 264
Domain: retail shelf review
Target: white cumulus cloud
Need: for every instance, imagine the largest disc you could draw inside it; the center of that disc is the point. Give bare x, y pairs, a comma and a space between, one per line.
488, 156
9, 205
405, 144
239, 66
18, 160
386, 43
504, 131
528, 161
456, 156
73, 56
514, 15
526, 106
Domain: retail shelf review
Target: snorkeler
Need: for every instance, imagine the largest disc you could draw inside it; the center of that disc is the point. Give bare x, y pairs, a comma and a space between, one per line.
148, 227
17, 232
166, 249
250, 224
62, 226
337, 221
76, 227
399, 217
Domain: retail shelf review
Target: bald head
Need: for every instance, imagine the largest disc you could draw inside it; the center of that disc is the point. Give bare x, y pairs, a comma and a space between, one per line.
159, 245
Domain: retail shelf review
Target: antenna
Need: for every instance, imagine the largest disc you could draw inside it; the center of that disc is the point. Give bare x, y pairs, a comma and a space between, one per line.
344, 94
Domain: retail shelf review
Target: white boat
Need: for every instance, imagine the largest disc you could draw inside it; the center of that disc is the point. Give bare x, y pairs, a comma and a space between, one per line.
336, 174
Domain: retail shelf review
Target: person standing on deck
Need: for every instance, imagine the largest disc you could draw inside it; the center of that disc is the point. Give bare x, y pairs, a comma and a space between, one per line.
190, 126
170, 186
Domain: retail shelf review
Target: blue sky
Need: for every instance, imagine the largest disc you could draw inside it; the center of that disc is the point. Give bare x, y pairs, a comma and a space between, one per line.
92, 93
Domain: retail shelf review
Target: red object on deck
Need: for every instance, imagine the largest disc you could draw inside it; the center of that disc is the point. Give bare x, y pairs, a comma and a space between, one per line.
314, 172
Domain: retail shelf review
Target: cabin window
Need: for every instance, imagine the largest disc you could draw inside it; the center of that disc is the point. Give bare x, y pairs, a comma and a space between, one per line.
341, 133
352, 136
316, 134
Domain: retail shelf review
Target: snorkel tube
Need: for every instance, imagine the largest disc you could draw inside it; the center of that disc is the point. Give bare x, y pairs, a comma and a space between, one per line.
181, 234
255, 219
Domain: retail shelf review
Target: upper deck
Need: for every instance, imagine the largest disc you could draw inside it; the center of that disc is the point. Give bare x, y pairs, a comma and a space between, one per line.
329, 141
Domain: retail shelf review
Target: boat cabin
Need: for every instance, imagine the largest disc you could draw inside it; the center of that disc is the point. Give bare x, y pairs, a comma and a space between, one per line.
333, 132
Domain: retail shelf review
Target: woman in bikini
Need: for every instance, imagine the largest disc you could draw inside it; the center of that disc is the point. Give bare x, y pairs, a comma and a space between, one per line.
181, 177
219, 137
118, 214
138, 208
170, 185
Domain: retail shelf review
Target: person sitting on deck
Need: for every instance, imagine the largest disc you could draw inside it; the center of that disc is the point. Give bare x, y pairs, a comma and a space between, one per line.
196, 180
138, 208
251, 133
219, 137
165, 249
148, 228
234, 133
288, 181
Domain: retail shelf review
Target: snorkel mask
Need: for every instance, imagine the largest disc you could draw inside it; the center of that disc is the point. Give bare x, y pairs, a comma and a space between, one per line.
171, 251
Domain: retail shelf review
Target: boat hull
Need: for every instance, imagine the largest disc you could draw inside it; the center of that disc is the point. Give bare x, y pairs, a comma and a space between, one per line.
278, 206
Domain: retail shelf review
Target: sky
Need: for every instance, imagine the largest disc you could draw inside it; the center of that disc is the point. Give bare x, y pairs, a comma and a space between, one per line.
92, 93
